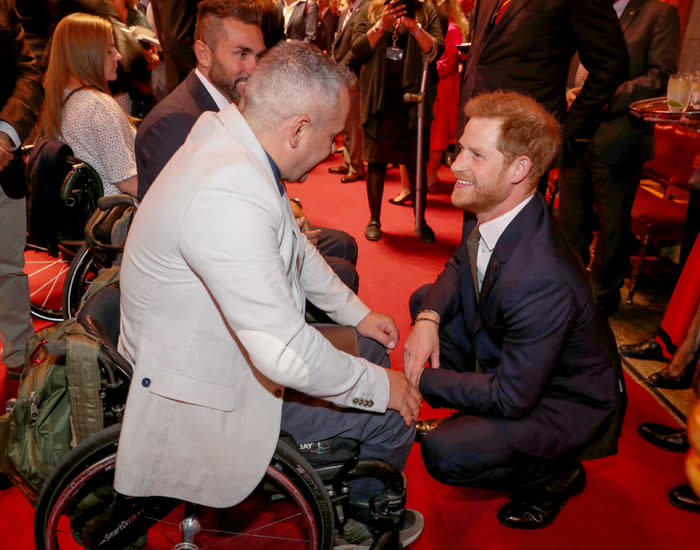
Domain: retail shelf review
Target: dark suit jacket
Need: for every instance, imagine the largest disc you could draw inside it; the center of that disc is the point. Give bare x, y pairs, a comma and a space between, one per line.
165, 128
652, 33
341, 48
21, 93
303, 22
530, 48
549, 359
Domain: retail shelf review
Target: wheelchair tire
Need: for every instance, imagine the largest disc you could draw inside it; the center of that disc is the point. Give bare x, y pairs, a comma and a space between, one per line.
46, 275
82, 270
290, 508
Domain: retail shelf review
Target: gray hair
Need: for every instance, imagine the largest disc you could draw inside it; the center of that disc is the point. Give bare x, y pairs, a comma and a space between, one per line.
295, 78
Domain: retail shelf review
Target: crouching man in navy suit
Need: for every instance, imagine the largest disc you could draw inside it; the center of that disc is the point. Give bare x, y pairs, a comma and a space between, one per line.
511, 331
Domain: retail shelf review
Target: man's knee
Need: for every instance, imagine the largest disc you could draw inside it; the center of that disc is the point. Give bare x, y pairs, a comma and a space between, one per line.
345, 271
339, 244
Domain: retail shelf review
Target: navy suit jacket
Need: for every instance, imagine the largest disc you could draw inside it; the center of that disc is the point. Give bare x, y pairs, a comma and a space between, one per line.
549, 360
165, 128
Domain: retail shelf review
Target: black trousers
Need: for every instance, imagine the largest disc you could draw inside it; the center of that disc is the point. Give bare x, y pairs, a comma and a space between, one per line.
589, 189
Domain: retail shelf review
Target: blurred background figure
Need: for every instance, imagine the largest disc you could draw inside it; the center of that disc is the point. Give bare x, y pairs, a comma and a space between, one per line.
393, 49
79, 110
20, 100
300, 19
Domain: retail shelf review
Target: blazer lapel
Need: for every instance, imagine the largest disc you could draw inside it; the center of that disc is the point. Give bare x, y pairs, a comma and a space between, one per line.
199, 93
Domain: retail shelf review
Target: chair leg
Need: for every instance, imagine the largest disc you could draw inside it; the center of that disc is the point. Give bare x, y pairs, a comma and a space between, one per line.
637, 268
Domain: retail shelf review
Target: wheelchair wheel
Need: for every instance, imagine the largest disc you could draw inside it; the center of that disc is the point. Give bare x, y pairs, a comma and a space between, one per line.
46, 275
78, 507
81, 272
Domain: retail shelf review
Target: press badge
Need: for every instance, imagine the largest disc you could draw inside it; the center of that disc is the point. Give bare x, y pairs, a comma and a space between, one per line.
394, 53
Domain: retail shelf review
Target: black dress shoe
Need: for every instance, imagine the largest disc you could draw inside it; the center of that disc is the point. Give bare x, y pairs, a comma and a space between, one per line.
427, 425
665, 437
649, 350
342, 169
373, 231
538, 508
662, 379
350, 177
684, 497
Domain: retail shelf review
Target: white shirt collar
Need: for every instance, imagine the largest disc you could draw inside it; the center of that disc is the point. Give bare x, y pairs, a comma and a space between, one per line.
492, 230
219, 98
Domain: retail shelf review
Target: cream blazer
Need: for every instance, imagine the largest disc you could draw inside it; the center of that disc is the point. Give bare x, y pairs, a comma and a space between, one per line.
213, 285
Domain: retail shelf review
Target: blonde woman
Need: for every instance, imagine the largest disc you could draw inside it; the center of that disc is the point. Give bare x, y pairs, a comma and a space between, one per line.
78, 109
392, 48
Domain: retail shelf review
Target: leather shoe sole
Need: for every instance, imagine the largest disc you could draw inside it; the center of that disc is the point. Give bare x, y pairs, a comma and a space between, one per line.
351, 177
648, 351
338, 169
664, 437
540, 507
661, 379
683, 497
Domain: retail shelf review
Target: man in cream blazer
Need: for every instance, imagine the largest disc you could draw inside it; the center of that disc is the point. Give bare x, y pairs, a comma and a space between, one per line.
214, 281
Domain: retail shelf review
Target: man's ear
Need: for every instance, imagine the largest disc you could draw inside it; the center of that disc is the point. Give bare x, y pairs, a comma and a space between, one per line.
297, 129
203, 53
520, 169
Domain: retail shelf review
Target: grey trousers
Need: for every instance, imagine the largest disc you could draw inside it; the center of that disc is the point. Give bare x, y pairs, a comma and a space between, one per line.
384, 436
352, 134
15, 321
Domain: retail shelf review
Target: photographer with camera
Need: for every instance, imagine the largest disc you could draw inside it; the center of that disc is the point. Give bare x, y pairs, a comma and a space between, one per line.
393, 40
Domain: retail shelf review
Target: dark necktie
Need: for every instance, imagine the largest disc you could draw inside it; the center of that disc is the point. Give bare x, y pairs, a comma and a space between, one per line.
473, 251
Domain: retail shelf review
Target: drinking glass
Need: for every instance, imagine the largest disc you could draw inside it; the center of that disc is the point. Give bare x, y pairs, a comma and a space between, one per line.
695, 91
678, 92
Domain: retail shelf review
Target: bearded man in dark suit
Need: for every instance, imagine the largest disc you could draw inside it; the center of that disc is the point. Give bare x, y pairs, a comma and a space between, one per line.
21, 95
515, 341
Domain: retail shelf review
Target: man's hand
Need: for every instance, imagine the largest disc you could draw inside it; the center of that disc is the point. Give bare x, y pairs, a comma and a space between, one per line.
6, 150
403, 397
422, 343
571, 95
381, 328
314, 235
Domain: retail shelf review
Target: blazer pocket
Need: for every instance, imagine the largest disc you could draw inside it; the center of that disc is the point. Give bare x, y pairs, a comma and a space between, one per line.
173, 384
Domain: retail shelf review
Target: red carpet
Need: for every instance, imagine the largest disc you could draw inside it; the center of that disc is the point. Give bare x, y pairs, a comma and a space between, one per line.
624, 504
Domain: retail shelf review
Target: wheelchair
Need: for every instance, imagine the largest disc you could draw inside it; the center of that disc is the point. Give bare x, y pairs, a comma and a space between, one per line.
296, 505
63, 194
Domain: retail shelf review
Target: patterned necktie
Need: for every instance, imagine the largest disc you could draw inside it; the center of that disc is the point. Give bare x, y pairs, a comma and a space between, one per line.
473, 251
498, 12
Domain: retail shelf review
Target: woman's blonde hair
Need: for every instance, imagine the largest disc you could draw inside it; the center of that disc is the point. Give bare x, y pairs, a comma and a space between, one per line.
78, 48
454, 10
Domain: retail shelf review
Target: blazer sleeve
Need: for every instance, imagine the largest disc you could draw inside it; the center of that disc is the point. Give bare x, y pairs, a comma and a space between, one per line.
537, 323
311, 21
603, 51
22, 107
661, 60
232, 244
156, 144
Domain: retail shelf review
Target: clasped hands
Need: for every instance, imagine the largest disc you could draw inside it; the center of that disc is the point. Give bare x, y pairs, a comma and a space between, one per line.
422, 343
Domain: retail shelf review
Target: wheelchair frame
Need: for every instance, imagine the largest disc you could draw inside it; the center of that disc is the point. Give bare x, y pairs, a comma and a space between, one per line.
78, 504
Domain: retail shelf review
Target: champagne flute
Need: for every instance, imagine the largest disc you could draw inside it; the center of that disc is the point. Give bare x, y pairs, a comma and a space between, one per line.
678, 92
695, 91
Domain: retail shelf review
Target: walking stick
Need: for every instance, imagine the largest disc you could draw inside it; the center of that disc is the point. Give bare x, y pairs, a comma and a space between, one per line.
419, 98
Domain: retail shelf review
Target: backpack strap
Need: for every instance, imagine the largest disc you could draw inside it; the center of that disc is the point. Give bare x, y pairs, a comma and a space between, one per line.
83, 375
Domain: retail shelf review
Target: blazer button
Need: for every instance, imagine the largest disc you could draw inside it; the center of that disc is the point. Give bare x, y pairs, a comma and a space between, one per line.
146, 382
278, 392
371, 403
354, 401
